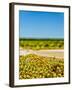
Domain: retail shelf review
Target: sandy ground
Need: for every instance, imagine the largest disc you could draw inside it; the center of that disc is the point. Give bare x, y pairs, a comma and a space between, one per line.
49, 53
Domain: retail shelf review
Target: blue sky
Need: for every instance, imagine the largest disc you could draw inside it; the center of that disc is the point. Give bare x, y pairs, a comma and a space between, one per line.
34, 24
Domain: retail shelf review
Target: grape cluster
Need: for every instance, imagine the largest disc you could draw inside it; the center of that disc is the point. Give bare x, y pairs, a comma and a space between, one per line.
34, 66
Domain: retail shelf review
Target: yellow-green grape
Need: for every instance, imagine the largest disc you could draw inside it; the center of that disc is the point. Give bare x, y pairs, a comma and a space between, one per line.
35, 66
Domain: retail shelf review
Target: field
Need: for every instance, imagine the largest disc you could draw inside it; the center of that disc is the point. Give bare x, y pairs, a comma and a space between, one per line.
42, 44
41, 58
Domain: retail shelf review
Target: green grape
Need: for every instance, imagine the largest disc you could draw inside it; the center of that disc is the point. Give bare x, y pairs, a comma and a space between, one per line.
35, 66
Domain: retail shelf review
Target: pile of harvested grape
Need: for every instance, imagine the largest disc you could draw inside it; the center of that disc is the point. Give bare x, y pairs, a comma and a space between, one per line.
34, 66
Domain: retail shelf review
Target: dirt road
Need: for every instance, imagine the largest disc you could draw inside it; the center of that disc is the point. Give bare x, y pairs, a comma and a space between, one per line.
49, 53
